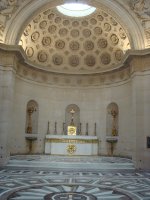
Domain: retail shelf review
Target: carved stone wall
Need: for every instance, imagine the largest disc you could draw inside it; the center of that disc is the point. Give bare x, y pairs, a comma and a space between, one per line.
141, 8
7, 9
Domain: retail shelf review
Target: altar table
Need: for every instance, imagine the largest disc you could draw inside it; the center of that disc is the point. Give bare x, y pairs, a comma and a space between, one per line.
71, 145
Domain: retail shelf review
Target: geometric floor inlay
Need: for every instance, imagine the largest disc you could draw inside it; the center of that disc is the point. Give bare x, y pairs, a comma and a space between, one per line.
65, 192
114, 182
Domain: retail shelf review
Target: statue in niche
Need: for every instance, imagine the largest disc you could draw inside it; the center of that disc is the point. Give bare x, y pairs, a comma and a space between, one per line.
30, 112
114, 129
72, 129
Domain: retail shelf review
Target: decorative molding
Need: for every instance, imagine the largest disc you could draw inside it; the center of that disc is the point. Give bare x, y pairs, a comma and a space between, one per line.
73, 141
134, 61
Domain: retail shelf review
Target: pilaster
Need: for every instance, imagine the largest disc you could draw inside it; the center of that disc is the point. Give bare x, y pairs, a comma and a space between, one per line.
7, 87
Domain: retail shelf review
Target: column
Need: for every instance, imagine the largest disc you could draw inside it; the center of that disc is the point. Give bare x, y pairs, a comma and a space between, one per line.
7, 83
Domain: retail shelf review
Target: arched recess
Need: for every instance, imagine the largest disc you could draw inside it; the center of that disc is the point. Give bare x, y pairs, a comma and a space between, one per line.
76, 116
112, 120
32, 112
23, 17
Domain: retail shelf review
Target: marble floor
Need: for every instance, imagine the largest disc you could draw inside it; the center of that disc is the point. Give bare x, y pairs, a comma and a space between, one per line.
72, 178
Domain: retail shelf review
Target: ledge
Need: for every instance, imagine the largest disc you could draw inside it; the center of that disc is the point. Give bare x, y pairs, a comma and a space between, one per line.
112, 139
31, 136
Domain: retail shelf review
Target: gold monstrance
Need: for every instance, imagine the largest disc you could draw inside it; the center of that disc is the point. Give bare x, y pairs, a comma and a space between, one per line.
72, 128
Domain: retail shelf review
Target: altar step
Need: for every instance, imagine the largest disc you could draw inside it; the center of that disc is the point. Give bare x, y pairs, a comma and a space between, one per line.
80, 163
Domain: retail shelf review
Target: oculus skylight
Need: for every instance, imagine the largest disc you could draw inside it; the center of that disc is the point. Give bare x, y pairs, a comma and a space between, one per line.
76, 9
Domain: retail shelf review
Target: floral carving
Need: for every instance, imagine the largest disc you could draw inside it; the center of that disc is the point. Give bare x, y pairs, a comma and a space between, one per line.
51, 16
57, 59
57, 20
37, 19
118, 54
74, 45
75, 33
93, 21
107, 27
29, 51
35, 36
59, 44
102, 43
43, 24
52, 29
27, 30
75, 23
100, 17
46, 41
105, 58
86, 32
42, 56
88, 45
98, 31
122, 34
114, 39
66, 22
74, 60
63, 32
84, 23
90, 60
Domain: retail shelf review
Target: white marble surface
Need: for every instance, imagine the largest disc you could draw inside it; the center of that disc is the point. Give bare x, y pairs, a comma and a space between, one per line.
84, 145
83, 137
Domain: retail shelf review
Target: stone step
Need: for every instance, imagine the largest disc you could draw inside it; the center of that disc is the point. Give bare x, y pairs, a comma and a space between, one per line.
72, 163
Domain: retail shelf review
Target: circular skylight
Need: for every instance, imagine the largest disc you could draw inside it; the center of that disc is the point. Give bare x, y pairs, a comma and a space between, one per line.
76, 9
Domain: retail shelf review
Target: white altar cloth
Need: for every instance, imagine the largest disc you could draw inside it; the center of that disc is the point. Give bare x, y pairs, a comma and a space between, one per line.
71, 145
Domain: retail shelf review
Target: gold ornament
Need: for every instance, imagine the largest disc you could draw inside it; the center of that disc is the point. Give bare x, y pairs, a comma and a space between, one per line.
71, 148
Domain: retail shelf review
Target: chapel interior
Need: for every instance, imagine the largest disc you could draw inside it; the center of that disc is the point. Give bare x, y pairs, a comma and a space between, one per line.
74, 86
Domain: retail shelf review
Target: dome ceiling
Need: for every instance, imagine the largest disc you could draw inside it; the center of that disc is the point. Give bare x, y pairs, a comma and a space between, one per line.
64, 44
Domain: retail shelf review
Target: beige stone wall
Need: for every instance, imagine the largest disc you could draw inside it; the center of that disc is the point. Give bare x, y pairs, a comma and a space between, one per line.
92, 102
141, 125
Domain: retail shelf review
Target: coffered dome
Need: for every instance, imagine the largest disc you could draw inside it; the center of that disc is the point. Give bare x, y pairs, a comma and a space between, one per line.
90, 44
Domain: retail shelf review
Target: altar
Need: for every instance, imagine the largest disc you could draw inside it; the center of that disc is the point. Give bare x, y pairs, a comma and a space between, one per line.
71, 145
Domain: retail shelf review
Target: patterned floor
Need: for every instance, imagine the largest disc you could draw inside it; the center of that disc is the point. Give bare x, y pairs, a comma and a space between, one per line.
54, 178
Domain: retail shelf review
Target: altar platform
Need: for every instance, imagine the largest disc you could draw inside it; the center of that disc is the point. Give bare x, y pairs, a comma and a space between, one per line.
71, 145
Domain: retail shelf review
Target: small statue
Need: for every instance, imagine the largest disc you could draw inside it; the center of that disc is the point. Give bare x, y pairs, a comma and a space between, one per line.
30, 112
114, 115
72, 128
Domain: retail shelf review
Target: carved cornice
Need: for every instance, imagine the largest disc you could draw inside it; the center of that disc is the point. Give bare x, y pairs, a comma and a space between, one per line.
134, 61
